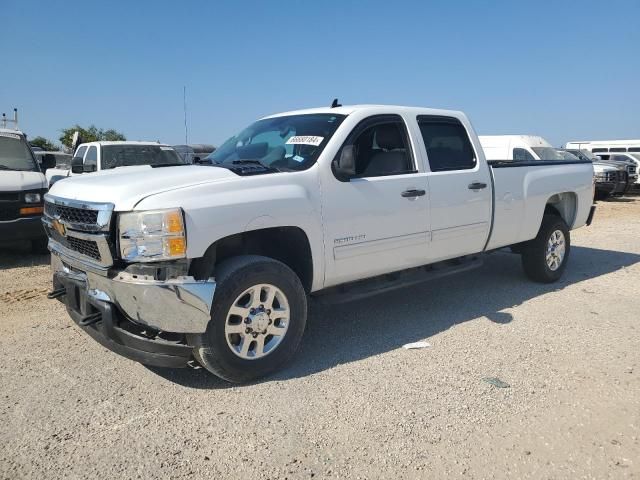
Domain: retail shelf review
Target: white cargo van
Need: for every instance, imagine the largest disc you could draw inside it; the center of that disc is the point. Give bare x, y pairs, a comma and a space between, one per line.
519, 148
22, 189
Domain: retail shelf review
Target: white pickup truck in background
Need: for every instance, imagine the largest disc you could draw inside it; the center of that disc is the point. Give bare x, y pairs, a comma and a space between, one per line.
215, 263
97, 156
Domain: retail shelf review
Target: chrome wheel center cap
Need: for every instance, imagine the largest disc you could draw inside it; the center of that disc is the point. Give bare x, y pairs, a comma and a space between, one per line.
260, 321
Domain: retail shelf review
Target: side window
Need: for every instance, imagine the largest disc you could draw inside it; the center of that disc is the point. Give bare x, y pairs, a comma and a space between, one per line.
80, 152
383, 149
595, 150
447, 143
522, 155
618, 149
92, 157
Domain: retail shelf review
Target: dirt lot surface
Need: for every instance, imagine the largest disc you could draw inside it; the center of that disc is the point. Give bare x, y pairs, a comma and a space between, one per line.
354, 403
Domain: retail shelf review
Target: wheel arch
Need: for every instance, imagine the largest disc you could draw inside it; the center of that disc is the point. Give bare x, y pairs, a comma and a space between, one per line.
287, 244
563, 205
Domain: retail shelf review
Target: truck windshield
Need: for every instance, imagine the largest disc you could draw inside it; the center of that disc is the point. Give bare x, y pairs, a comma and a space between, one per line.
15, 154
130, 155
550, 153
284, 143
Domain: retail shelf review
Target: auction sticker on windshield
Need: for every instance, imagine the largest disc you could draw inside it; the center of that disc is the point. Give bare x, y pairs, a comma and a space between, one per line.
305, 140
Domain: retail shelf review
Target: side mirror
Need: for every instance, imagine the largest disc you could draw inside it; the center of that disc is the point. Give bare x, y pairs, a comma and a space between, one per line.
77, 165
345, 165
48, 161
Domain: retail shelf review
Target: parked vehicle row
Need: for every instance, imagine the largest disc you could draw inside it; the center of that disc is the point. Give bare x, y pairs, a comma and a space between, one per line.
214, 264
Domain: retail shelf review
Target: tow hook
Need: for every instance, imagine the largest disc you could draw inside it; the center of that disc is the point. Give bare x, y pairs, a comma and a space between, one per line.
57, 293
90, 319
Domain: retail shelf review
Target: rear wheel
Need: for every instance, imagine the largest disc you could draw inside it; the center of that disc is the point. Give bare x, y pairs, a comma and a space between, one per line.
257, 319
545, 257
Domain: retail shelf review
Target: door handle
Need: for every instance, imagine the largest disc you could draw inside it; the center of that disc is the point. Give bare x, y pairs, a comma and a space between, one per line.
413, 193
477, 186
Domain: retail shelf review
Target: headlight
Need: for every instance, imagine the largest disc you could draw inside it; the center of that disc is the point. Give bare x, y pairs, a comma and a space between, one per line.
152, 235
32, 198
600, 176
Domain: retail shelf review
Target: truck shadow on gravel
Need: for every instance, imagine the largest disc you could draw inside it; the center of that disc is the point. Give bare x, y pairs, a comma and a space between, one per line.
338, 334
17, 255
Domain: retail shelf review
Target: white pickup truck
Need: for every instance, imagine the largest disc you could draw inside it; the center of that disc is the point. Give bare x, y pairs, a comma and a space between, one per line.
97, 156
214, 264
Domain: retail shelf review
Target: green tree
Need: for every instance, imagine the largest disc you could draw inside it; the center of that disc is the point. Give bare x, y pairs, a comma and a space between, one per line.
43, 143
90, 134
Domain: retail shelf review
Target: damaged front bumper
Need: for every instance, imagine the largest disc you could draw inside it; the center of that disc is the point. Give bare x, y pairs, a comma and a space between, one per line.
135, 315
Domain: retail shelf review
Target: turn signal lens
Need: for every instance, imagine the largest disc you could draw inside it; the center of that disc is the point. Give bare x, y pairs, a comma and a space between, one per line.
31, 210
177, 246
173, 221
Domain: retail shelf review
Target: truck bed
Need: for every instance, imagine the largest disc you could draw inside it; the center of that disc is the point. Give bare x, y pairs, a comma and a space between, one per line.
522, 189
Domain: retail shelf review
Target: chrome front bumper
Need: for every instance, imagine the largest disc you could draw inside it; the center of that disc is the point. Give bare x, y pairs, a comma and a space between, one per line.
180, 305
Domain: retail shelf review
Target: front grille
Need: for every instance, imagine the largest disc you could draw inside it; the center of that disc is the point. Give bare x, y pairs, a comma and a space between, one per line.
9, 196
8, 213
84, 247
72, 215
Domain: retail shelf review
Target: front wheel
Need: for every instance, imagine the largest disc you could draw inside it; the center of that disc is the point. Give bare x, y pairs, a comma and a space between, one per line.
257, 319
545, 257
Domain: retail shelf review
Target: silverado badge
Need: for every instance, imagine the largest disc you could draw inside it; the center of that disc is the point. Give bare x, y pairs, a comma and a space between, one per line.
59, 227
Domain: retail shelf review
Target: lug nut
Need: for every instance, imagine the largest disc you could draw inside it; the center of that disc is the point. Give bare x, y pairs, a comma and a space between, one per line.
253, 310
247, 320
268, 312
255, 334
247, 330
261, 307
270, 321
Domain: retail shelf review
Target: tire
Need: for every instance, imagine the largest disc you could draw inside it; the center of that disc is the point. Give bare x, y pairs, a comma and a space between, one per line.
221, 352
534, 252
39, 245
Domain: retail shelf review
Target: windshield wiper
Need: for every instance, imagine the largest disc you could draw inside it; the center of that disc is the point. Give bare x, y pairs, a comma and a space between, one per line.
156, 165
255, 162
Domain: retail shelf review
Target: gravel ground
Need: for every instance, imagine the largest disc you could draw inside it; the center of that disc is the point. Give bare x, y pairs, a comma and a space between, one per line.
353, 403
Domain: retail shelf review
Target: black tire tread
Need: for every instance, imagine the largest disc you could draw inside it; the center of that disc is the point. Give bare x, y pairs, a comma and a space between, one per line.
229, 277
533, 251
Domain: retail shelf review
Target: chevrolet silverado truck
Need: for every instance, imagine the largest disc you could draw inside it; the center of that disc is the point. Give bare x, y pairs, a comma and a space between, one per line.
22, 189
213, 265
97, 156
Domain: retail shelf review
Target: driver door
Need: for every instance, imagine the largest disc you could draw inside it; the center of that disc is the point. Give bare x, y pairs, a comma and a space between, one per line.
378, 220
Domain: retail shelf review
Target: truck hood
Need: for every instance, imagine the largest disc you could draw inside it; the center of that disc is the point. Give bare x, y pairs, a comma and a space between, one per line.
12, 181
127, 186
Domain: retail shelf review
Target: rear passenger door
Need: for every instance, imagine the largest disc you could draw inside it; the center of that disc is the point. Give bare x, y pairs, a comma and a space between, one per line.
460, 189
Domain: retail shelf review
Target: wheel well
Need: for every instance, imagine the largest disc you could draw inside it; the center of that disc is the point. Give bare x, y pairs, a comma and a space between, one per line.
288, 245
563, 205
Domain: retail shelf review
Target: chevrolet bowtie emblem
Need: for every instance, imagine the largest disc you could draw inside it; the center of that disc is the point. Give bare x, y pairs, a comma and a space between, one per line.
59, 227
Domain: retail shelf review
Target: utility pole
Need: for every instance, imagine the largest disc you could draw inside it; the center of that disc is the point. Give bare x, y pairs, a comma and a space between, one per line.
184, 103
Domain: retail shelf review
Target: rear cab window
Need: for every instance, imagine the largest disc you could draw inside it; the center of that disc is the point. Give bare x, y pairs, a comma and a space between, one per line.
447, 143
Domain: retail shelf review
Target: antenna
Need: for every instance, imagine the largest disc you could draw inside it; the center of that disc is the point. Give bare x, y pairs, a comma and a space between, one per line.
335, 103
184, 103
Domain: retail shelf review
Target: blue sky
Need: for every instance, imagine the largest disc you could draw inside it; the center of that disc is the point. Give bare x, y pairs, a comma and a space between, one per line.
563, 70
